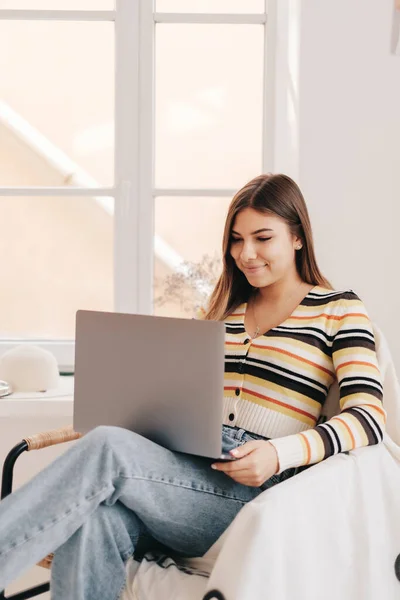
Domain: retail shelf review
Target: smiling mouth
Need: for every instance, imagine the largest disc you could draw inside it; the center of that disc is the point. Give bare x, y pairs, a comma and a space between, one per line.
253, 269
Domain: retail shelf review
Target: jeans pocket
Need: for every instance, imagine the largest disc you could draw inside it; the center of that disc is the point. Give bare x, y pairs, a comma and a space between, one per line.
253, 437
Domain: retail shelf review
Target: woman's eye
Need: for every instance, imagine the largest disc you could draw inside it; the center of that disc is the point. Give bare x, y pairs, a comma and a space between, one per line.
260, 239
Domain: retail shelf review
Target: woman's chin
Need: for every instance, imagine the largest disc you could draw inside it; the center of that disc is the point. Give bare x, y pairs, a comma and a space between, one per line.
258, 281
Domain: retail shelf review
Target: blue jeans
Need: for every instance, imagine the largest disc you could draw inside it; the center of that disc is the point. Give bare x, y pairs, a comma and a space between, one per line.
91, 505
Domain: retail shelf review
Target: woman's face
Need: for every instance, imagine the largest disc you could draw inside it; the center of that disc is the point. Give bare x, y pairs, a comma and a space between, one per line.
263, 247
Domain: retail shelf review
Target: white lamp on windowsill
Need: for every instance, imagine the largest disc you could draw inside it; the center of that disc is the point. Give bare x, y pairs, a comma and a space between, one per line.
5, 389
27, 368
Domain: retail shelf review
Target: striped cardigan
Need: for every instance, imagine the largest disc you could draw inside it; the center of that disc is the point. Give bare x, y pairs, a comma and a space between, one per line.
275, 385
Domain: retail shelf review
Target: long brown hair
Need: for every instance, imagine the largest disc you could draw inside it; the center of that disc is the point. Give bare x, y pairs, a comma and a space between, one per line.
280, 195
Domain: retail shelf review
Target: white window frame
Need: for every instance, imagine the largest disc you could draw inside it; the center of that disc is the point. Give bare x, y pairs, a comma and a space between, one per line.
133, 191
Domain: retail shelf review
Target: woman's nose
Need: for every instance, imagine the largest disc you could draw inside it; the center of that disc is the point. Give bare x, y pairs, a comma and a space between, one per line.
248, 252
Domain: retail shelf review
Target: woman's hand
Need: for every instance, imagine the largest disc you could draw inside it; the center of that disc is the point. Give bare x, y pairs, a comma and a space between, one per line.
257, 462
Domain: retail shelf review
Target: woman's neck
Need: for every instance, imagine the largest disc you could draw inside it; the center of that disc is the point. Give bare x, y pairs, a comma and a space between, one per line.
279, 291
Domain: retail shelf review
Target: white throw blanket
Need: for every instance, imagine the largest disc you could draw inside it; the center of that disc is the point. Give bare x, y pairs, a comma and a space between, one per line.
331, 532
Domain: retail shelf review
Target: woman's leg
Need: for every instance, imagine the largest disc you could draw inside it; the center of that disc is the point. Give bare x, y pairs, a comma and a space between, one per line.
178, 498
91, 563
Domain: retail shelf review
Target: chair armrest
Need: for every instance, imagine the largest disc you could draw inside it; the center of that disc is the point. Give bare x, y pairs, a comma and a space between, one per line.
52, 437
34, 442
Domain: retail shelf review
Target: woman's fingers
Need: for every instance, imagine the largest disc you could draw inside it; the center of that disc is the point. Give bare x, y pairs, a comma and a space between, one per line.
257, 462
247, 462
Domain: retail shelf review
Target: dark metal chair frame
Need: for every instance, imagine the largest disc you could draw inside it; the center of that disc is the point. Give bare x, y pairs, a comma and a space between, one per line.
35, 442
6, 489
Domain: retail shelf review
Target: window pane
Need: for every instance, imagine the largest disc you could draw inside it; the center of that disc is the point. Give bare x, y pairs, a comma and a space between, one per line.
56, 103
210, 6
58, 4
56, 257
189, 229
209, 88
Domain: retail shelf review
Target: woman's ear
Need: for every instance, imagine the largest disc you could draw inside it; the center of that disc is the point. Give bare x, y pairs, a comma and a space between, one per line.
298, 244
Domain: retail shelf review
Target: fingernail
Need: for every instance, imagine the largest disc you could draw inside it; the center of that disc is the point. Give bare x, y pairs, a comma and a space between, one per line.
234, 451
213, 467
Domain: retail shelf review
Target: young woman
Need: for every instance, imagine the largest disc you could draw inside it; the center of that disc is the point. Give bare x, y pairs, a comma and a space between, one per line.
289, 335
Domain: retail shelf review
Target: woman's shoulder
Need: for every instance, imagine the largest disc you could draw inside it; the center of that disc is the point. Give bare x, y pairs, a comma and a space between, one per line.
334, 300
331, 295
339, 302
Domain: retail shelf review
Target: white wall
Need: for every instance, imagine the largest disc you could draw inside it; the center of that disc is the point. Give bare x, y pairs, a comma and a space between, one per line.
344, 147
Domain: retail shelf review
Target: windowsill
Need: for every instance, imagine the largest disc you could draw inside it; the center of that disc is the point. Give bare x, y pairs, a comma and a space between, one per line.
57, 402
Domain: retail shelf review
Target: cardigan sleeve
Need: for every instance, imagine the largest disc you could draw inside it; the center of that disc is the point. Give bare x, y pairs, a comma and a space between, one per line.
362, 418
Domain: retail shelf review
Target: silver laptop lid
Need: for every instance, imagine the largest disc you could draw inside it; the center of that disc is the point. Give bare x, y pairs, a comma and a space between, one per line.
159, 376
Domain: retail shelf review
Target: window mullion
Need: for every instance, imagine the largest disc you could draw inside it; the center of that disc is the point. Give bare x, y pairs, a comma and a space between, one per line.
146, 158
126, 216
21, 14
43, 191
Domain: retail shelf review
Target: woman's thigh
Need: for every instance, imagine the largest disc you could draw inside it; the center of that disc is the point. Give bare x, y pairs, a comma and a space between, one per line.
181, 501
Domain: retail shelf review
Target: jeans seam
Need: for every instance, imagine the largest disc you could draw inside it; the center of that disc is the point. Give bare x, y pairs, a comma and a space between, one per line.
51, 524
186, 486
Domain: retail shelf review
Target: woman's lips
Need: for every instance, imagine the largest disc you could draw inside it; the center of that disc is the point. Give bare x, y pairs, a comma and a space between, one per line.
253, 269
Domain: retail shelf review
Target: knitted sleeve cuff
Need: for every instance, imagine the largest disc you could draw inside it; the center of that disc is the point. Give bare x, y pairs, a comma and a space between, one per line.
290, 451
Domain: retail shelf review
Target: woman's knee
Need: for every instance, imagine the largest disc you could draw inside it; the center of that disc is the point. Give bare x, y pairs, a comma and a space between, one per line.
109, 435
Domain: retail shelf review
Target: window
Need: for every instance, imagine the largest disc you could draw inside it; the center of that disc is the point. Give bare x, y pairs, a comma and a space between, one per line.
124, 132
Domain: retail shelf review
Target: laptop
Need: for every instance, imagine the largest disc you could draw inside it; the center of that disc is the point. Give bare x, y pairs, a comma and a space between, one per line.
161, 377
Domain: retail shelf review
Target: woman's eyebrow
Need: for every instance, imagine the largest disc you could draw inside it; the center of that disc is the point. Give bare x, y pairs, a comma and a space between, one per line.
254, 232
